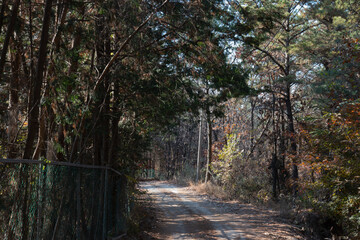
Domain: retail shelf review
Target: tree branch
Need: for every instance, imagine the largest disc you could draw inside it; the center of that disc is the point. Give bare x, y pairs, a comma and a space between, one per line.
302, 31
112, 60
272, 58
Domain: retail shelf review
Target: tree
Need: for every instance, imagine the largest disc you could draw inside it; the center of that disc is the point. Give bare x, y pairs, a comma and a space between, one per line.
36, 84
277, 29
330, 130
9, 33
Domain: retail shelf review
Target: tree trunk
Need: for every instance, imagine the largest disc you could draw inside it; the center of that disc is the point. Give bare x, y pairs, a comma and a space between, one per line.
35, 93
209, 151
55, 43
282, 148
252, 132
102, 99
274, 161
41, 135
295, 172
114, 149
199, 150
14, 100
275, 178
2, 13
105, 114
8, 35
34, 101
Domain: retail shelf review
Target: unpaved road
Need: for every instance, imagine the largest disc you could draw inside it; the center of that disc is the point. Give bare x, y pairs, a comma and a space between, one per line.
183, 214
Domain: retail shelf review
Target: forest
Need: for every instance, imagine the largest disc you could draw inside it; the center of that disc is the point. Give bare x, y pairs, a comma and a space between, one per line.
258, 97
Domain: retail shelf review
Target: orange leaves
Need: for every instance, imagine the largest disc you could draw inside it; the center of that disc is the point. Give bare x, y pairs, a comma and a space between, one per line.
313, 163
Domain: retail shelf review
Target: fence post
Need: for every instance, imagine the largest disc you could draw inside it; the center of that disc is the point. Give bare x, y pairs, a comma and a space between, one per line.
39, 195
78, 205
105, 205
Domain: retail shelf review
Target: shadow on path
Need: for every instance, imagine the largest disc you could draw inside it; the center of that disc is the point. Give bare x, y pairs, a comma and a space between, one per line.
185, 215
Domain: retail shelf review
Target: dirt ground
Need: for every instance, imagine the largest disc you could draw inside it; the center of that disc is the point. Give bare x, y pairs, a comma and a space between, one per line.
177, 212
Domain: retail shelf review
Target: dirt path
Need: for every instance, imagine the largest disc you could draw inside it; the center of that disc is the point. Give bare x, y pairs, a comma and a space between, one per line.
183, 214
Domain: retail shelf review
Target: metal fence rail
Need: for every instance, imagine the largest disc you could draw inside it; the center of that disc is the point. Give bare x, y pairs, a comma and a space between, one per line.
59, 200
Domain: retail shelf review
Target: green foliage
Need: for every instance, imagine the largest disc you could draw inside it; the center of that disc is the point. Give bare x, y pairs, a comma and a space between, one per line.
332, 160
241, 179
227, 156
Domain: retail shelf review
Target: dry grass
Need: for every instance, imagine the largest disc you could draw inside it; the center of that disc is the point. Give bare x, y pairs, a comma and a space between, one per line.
282, 206
210, 189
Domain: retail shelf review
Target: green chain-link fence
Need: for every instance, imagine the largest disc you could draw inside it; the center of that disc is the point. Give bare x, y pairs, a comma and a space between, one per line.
61, 201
